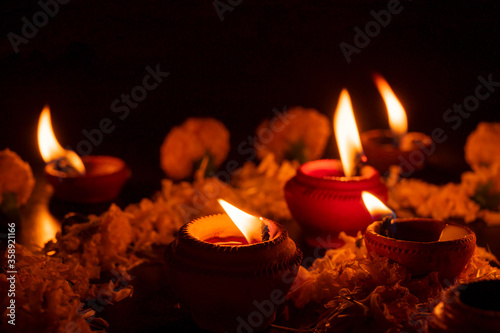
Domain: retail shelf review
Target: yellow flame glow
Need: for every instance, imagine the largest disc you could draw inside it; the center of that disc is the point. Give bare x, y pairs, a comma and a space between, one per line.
50, 149
46, 228
346, 134
395, 110
249, 225
375, 206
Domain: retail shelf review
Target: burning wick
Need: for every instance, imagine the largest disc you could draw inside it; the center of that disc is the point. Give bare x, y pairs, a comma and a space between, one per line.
264, 230
397, 115
378, 210
388, 228
347, 136
360, 162
66, 161
247, 224
63, 165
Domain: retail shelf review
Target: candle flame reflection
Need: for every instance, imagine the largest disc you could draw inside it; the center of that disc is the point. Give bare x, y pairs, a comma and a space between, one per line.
347, 135
395, 110
375, 206
46, 228
249, 225
50, 149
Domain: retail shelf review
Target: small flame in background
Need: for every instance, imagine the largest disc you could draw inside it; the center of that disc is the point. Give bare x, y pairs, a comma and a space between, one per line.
50, 149
375, 206
395, 110
347, 135
249, 225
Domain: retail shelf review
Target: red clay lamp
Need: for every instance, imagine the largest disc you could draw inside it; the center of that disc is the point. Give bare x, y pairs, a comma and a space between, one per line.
325, 195
227, 268
89, 179
421, 245
396, 146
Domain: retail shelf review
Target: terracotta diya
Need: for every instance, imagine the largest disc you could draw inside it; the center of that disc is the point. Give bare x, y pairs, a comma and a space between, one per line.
102, 181
396, 146
89, 179
423, 245
229, 282
325, 195
382, 152
471, 307
325, 202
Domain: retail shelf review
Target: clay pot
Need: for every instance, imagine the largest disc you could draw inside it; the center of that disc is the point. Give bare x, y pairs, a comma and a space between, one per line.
324, 202
416, 246
228, 287
382, 153
103, 180
472, 307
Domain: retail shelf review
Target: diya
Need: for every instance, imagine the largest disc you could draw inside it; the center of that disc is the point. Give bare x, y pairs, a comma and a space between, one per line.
89, 179
324, 197
423, 245
102, 181
381, 151
228, 281
471, 307
396, 146
325, 202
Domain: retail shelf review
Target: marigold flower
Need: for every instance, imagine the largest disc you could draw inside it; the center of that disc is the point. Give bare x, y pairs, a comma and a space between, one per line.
187, 144
260, 188
482, 152
301, 135
482, 148
15, 177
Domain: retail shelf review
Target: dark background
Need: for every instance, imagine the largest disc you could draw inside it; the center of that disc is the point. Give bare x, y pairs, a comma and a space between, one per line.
263, 55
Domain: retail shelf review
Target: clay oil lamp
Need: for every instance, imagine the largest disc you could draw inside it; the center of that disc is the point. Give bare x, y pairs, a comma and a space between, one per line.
471, 307
232, 271
396, 146
89, 179
422, 245
325, 195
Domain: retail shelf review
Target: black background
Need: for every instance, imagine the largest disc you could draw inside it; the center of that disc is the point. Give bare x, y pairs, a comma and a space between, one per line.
263, 55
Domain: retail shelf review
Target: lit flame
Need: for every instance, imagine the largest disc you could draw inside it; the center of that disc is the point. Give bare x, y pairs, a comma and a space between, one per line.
395, 110
249, 225
46, 228
50, 149
347, 135
376, 207
41, 228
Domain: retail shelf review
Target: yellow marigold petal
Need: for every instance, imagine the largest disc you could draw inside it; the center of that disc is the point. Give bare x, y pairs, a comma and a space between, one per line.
299, 126
186, 144
15, 176
482, 146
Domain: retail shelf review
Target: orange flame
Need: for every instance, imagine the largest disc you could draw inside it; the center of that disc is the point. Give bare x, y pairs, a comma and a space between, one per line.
346, 134
46, 228
50, 149
395, 110
41, 226
249, 225
376, 207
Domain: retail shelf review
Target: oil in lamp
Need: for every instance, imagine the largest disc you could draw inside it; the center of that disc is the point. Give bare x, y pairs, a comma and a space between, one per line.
396, 146
89, 179
422, 245
232, 270
325, 195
